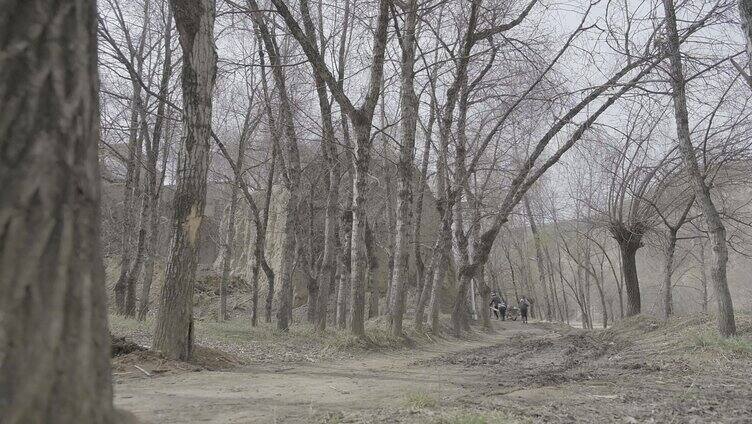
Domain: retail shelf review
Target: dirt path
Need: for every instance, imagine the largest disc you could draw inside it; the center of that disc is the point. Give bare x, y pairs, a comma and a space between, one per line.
306, 393
527, 373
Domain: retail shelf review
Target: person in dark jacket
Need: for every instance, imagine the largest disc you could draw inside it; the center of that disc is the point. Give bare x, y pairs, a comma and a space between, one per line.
524, 305
495, 305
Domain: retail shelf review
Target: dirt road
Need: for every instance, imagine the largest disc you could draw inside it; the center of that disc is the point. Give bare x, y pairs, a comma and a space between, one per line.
537, 373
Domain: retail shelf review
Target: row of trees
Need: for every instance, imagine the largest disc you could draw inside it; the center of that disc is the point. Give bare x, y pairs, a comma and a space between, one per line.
487, 93
496, 95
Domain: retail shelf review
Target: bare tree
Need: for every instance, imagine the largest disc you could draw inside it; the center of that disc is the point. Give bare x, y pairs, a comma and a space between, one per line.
726, 322
361, 119
173, 334
409, 112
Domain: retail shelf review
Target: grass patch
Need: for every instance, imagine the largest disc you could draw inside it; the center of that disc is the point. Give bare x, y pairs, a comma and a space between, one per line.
710, 340
419, 400
495, 417
300, 343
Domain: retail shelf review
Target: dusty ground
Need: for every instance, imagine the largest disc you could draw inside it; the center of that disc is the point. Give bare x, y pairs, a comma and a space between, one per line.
642, 371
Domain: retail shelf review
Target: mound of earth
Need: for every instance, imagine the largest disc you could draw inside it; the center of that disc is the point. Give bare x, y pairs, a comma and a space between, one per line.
145, 363
641, 370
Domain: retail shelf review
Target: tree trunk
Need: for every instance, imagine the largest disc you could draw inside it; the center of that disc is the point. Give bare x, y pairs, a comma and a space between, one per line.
425, 293
668, 270
409, 119
329, 149
602, 296
629, 266
372, 266
485, 299
356, 313
539, 258
443, 250
173, 334
726, 321
128, 191
292, 174
745, 13
151, 252
328, 267
230, 240
703, 277
343, 288
154, 187
260, 246
55, 365
138, 261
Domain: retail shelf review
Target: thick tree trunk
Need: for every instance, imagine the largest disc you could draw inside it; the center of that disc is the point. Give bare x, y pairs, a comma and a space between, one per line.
460, 312
745, 13
409, 119
55, 361
485, 298
356, 313
629, 266
726, 321
443, 250
668, 270
602, 297
420, 268
151, 252
425, 293
343, 287
391, 219
173, 334
328, 267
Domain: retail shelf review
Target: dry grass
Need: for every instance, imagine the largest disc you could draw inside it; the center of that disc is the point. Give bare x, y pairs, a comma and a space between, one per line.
265, 343
494, 417
420, 400
694, 338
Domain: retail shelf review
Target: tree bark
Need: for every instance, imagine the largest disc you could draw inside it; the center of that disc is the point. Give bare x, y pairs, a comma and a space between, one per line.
726, 321
745, 13
703, 277
409, 119
632, 284
128, 192
372, 266
355, 316
668, 270
154, 187
55, 364
173, 334
343, 287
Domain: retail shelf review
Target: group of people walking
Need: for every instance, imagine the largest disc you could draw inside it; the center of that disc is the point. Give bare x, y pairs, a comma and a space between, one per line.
502, 311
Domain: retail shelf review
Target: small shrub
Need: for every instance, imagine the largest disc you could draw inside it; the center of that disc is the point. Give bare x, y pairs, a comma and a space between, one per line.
420, 401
